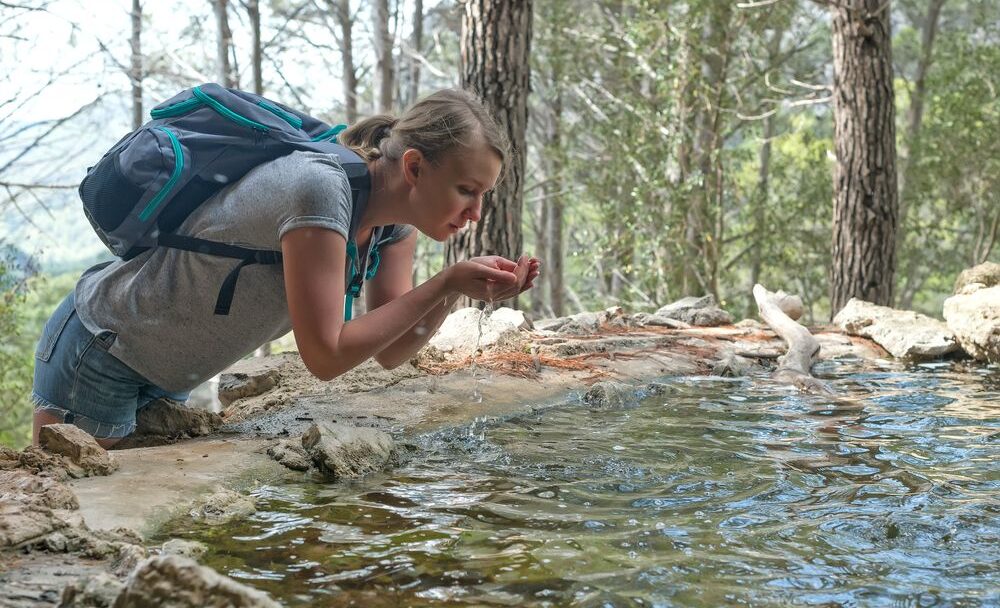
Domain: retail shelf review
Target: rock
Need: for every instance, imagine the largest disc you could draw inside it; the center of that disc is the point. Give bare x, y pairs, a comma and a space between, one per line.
588, 322
185, 548
97, 591
734, 366
905, 334
789, 304
79, 447
127, 559
460, 332
609, 394
344, 451
165, 417
581, 324
642, 319
702, 312
974, 317
171, 581
239, 385
753, 324
291, 454
551, 324
32, 507
987, 274
223, 506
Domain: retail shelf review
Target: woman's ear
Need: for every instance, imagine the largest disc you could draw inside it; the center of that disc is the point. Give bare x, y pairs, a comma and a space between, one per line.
412, 162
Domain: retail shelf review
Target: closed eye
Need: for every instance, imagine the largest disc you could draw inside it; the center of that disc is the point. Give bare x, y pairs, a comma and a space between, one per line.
466, 191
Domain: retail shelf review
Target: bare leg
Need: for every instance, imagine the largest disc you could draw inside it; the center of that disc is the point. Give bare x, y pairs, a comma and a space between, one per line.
41, 419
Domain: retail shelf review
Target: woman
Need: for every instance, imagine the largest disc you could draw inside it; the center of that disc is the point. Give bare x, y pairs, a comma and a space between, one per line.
144, 329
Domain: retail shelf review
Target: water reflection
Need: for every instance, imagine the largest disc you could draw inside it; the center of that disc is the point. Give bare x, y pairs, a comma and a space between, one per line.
711, 492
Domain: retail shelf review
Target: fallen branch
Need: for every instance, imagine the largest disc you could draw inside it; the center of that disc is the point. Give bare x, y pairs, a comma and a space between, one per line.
779, 310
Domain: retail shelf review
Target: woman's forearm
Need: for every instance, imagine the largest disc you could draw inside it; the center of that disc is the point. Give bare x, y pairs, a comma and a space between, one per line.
403, 349
369, 334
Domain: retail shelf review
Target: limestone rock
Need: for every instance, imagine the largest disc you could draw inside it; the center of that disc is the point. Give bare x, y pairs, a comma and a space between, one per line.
185, 548
344, 451
171, 581
223, 506
31, 507
642, 319
168, 418
128, 558
734, 366
974, 317
905, 334
291, 454
702, 312
239, 385
609, 394
97, 591
79, 447
459, 333
987, 274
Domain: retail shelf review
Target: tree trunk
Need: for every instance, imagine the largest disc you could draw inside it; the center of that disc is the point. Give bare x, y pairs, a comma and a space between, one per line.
911, 144
554, 253
417, 42
342, 12
253, 12
541, 228
224, 41
865, 196
496, 43
135, 73
384, 76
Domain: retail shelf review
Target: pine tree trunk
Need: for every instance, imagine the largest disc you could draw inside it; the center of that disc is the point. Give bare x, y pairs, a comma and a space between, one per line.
865, 196
417, 43
496, 44
224, 41
554, 254
384, 70
349, 76
135, 73
256, 60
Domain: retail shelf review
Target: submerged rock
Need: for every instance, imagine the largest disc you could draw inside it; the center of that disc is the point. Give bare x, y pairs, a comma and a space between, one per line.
165, 417
343, 451
79, 447
291, 454
974, 316
98, 591
609, 394
460, 332
987, 274
171, 581
733, 366
223, 506
905, 334
702, 312
240, 385
185, 548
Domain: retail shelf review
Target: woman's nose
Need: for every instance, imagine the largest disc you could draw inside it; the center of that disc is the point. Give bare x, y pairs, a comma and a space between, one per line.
475, 212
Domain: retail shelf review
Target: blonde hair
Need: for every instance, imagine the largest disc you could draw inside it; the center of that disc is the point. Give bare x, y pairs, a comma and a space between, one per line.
434, 125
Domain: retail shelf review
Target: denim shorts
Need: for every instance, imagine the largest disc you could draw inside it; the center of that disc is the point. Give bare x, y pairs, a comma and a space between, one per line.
77, 380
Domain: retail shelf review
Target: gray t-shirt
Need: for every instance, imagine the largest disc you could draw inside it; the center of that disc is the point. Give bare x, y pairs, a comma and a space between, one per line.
161, 303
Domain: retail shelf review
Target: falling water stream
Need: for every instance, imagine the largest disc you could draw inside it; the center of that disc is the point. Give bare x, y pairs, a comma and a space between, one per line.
704, 492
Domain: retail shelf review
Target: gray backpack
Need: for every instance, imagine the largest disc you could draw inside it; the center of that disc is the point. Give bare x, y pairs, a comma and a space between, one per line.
197, 142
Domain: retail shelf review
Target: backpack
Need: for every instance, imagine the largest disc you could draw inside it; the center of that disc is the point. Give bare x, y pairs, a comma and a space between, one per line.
197, 142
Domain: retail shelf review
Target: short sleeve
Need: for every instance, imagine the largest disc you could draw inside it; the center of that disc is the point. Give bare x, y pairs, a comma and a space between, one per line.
318, 194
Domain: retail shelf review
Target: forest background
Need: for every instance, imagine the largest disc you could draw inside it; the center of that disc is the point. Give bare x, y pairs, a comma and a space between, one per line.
671, 147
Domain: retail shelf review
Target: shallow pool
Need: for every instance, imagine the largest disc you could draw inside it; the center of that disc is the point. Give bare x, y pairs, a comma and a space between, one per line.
706, 492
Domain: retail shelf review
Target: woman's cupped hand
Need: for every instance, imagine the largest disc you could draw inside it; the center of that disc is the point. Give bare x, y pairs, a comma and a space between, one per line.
493, 277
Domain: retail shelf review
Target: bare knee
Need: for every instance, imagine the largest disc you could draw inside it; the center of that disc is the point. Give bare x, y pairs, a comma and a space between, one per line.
43, 419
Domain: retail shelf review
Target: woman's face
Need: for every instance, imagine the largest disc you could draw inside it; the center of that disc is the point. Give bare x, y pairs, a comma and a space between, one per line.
446, 195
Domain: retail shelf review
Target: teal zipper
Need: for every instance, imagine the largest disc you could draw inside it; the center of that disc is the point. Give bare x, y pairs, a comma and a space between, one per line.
226, 112
331, 133
176, 175
176, 109
291, 119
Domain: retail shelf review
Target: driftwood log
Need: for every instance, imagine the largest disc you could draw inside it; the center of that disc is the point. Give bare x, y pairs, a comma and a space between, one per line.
780, 310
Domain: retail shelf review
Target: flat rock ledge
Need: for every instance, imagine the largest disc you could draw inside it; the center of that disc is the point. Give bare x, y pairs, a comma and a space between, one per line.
905, 334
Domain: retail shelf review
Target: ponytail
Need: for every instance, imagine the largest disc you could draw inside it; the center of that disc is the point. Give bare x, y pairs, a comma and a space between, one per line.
366, 136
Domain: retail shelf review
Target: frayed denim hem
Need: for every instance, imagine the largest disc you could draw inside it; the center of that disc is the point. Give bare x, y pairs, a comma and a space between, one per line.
96, 428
